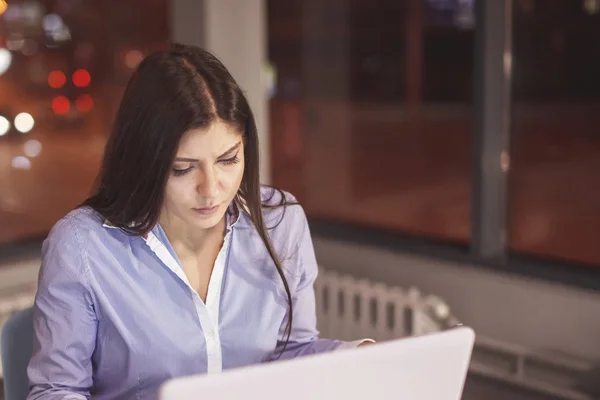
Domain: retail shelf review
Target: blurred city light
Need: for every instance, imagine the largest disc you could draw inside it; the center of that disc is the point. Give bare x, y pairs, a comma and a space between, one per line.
61, 105
84, 103
56, 79
32, 148
31, 12
12, 14
15, 42
24, 122
52, 23
3, 6
5, 60
55, 28
21, 162
4, 125
81, 78
591, 6
133, 58
62, 35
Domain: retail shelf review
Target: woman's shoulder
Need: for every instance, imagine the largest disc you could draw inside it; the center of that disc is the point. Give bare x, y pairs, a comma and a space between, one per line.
77, 225
65, 250
272, 196
282, 214
281, 207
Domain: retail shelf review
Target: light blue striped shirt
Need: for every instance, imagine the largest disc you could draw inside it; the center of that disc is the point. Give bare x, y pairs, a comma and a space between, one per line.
115, 316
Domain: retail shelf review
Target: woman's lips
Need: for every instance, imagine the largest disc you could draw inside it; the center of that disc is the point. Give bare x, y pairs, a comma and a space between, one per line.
206, 210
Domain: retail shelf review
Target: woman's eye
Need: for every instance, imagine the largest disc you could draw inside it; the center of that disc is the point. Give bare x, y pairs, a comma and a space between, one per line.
230, 161
181, 171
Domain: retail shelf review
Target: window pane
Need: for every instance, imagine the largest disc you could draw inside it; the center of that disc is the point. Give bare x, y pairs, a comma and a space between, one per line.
555, 195
371, 111
63, 66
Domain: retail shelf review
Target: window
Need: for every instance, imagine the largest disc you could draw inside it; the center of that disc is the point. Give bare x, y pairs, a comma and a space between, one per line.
555, 173
371, 111
63, 66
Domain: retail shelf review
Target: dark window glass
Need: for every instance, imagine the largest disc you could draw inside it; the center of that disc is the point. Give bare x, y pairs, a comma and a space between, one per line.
555, 195
371, 111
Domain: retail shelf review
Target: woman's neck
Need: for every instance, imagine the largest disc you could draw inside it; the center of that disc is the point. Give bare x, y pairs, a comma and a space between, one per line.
183, 236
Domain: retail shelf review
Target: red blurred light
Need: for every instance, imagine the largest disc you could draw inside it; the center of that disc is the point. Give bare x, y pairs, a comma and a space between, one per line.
84, 103
81, 78
61, 105
56, 79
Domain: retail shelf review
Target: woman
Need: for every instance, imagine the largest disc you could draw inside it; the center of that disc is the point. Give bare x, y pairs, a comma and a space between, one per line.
180, 263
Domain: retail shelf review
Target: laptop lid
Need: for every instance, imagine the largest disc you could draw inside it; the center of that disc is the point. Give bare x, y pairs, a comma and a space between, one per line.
429, 367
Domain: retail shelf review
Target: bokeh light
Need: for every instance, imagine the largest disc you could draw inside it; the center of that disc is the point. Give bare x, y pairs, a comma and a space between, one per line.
133, 58
52, 22
24, 122
4, 125
61, 105
56, 79
81, 78
32, 148
21, 162
5, 60
84, 103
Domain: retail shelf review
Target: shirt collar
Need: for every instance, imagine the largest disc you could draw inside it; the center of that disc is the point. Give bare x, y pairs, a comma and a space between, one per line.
233, 215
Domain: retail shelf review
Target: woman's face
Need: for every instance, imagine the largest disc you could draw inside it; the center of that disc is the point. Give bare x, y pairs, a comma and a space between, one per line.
205, 177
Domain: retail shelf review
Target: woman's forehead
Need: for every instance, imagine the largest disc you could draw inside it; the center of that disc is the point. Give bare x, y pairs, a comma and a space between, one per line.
208, 142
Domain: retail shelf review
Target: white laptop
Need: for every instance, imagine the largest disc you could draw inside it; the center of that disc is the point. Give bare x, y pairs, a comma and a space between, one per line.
429, 367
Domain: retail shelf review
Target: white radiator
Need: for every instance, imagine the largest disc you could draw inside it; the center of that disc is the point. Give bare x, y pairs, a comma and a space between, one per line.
350, 308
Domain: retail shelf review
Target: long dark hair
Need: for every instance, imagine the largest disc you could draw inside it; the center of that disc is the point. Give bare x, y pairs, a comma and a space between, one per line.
170, 93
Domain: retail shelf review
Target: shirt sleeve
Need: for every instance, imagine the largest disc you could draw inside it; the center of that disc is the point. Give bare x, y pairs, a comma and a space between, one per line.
64, 320
304, 337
